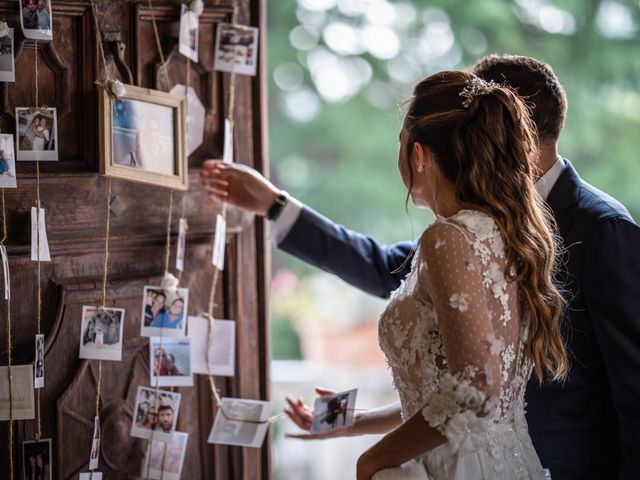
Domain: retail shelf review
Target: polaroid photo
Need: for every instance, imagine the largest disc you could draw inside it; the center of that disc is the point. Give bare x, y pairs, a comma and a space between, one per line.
21, 392
155, 416
171, 361
39, 236
336, 411
7, 62
37, 130
101, 333
182, 243
7, 161
5, 272
188, 33
245, 423
164, 312
166, 459
219, 240
35, 19
222, 348
227, 153
91, 476
38, 364
94, 457
36, 459
236, 49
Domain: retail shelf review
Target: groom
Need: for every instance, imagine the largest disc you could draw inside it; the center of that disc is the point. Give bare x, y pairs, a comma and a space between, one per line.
587, 427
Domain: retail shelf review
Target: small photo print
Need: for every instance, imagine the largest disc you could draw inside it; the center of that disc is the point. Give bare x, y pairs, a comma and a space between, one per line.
336, 411
37, 130
182, 244
35, 19
164, 312
7, 62
166, 459
244, 423
36, 460
94, 457
236, 49
222, 347
101, 333
188, 33
21, 393
91, 476
155, 415
7, 161
171, 360
38, 364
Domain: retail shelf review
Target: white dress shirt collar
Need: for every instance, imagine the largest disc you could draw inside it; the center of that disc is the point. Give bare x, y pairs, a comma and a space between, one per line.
545, 183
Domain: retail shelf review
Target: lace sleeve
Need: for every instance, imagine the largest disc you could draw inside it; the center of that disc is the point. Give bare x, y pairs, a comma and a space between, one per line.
450, 273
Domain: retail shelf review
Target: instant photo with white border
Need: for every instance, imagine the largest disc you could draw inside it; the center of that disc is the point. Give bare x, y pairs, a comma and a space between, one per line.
342, 406
94, 456
98, 332
239, 428
8, 178
189, 33
27, 132
33, 31
38, 363
222, 348
171, 468
43, 444
236, 49
219, 243
145, 400
23, 405
174, 362
7, 59
39, 236
164, 316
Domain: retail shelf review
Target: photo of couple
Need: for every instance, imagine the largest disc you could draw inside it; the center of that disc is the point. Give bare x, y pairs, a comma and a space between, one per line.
155, 414
164, 312
101, 333
171, 361
36, 19
37, 133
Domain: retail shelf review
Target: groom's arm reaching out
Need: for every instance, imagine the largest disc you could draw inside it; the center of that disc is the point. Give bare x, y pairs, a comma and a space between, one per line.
308, 235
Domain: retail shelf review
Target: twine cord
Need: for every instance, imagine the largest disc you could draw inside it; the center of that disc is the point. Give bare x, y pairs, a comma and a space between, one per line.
9, 347
35, 60
158, 44
38, 286
94, 11
186, 227
167, 250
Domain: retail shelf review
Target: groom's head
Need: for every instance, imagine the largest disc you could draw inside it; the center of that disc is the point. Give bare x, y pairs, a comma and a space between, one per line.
534, 81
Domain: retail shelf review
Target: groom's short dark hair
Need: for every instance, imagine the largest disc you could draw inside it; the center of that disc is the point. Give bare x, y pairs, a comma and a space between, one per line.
534, 81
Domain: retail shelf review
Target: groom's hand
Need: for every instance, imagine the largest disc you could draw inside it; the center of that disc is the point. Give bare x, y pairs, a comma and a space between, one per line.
239, 185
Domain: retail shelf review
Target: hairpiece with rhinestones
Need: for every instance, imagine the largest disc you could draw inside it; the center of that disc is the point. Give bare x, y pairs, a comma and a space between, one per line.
476, 87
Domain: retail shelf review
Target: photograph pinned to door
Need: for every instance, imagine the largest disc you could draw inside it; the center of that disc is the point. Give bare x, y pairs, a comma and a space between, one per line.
166, 458
36, 459
164, 312
37, 131
7, 162
333, 412
101, 333
220, 346
35, 19
7, 58
155, 414
244, 423
236, 49
38, 364
188, 33
171, 360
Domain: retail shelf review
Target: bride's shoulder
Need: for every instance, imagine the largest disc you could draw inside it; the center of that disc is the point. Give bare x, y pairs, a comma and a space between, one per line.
465, 226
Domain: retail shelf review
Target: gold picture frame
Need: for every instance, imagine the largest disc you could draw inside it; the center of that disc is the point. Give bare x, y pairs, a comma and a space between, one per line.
142, 137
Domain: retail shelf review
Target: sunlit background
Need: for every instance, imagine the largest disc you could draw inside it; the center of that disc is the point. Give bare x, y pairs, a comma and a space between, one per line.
338, 71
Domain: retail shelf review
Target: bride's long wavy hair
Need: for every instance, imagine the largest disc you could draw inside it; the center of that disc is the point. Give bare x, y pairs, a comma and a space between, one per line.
488, 151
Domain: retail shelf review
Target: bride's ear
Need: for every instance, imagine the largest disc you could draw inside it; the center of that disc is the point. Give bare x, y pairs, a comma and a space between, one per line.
422, 157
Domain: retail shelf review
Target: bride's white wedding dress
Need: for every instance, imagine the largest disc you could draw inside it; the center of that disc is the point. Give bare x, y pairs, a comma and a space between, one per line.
454, 336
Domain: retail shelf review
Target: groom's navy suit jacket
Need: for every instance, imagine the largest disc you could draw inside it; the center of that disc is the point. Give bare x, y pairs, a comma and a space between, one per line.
588, 426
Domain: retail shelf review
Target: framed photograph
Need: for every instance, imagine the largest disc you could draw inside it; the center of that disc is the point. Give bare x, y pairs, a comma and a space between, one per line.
236, 49
36, 459
171, 361
155, 416
164, 312
101, 333
7, 62
142, 137
188, 33
166, 459
244, 425
37, 130
222, 347
336, 411
35, 19
38, 364
23, 405
7, 162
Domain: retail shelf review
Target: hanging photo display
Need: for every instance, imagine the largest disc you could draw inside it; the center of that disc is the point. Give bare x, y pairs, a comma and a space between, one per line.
5, 272
36, 459
7, 56
333, 412
94, 457
7, 162
101, 333
39, 236
155, 414
221, 348
245, 423
38, 364
35, 19
166, 459
171, 361
219, 240
181, 245
188, 33
21, 393
236, 49
164, 312
195, 116
37, 133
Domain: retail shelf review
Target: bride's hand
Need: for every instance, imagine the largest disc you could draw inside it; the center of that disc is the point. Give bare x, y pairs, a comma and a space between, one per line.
302, 416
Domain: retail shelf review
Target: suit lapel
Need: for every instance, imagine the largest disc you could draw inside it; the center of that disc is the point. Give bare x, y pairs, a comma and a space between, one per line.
564, 194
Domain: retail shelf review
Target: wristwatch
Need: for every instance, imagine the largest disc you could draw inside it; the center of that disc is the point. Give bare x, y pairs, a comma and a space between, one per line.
278, 204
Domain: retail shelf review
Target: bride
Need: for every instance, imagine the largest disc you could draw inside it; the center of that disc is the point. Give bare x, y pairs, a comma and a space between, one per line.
478, 312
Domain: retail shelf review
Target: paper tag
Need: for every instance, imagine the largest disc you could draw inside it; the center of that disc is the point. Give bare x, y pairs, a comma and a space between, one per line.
217, 255
5, 269
95, 445
21, 392
227, 155
182, 241
38, 364
38, 228
91, 476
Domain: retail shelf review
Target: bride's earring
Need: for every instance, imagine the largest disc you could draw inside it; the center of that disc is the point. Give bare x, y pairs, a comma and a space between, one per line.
420, 168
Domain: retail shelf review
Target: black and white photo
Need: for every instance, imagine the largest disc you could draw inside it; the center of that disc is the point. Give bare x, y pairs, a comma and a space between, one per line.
166, 458
101, 333
245, 423
36, 459
188, 33
171, 362
220, 346
333, 412
155, 416
7, 57
236, 49
38, 364
164, 312
37, 131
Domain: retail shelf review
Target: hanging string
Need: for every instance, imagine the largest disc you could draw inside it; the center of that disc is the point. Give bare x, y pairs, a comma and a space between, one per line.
167, 250
94, 11
186, 227
159, 45
35, 58
9, 346
39, 288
